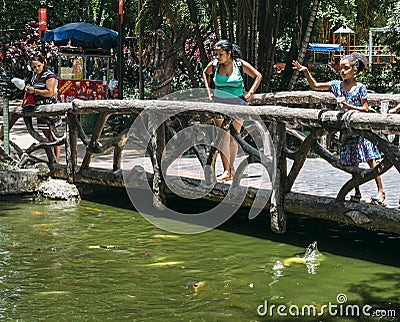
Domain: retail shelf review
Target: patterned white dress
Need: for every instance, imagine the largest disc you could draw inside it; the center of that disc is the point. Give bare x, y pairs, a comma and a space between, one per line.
355, 149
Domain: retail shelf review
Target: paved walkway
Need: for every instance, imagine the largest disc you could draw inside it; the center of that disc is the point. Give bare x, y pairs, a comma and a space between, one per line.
317, 176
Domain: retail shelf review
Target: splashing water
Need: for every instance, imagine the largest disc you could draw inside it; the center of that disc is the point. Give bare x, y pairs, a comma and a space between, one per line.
311, 258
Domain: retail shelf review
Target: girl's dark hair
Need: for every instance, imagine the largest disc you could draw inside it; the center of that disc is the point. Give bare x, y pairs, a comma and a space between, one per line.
229, 47
356, 60
41, 59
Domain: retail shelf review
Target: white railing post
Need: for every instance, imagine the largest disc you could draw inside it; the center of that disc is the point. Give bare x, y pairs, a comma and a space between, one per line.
6, 137
370, 48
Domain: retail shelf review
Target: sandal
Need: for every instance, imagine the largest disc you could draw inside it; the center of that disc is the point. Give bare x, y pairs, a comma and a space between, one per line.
355, 198
224, 176
378, 201
229, 178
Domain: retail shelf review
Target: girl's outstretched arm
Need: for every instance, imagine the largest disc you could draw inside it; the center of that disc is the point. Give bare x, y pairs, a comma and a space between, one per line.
311, 81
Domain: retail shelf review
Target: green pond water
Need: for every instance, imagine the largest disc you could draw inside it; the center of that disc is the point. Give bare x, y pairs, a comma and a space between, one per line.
91, 261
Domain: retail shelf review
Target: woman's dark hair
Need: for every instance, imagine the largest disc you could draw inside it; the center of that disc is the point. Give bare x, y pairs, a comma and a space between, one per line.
356, 60
41, 59
229, 47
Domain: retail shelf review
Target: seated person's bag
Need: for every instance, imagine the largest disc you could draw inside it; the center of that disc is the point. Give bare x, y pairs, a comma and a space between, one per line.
28, 101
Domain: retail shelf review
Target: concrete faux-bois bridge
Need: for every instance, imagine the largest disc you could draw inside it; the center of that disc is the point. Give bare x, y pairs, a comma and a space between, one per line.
265, 172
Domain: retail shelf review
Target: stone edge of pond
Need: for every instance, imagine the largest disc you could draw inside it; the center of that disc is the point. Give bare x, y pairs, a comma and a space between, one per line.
36, 181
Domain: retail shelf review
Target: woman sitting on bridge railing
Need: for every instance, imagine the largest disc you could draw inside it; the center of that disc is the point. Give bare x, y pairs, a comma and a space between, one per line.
42, 86
351, 95
227, 72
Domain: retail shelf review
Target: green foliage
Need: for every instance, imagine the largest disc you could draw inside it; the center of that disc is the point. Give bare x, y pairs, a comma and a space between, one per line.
331, 11
173, 16
131, 81
16, 59
14, 17
7, 89
325, 73
8, 165
117, 123
392, 37
13, 165
381, 78
322, 73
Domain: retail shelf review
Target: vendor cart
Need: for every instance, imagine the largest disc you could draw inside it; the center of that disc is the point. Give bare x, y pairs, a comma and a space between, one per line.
85, 75
82, 74
84, 61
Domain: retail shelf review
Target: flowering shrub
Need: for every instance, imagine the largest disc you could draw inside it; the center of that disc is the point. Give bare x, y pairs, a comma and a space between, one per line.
15, 58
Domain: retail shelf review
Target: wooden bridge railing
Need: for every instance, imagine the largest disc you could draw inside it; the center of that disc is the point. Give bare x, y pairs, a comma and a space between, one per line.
269, 109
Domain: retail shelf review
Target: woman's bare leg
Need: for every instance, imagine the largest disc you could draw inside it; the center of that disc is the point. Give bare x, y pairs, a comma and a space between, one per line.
357, 193
378, 181
234, 147
225, 153
56, 149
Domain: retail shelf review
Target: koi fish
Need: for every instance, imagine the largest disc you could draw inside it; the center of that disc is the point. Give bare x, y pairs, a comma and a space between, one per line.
312, 255
163, 264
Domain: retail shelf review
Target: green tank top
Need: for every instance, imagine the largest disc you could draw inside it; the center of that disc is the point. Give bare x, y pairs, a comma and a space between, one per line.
229, 86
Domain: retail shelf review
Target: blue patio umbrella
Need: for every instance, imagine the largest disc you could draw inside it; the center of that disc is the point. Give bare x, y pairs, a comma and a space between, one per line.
83, 34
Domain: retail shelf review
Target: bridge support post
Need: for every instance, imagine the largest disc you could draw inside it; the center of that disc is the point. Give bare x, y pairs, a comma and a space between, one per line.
277, 213
94, 141
158, 146
71, 146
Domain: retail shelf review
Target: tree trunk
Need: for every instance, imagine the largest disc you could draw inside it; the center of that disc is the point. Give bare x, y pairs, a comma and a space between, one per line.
100, 13
266, 46
194, 17
224, 33
214, 18
83, 11
165, 58
254, 31
304, 43
189, 69
262, 44
293, 51
242, 25
272, 30
231, 21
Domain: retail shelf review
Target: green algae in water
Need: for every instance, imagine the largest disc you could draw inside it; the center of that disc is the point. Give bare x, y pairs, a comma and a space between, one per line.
93, 262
